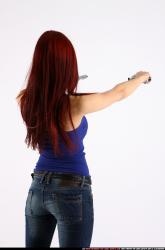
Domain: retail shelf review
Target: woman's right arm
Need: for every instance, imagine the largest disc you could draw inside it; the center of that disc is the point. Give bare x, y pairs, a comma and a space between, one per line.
130, 86
97, 101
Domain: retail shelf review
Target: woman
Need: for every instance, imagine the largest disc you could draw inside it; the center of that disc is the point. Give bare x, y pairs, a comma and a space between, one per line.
54, 114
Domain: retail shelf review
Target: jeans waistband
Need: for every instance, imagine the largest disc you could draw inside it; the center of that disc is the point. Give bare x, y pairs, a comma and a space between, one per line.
82, 178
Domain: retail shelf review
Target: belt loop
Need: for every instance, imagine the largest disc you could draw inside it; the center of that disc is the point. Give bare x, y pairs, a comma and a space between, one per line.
83, 180
45, 172
48, 177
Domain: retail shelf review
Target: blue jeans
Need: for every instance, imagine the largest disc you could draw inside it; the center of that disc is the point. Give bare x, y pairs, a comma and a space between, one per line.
50, 203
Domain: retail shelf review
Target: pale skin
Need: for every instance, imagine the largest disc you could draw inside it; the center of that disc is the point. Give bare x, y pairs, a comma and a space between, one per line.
84, 104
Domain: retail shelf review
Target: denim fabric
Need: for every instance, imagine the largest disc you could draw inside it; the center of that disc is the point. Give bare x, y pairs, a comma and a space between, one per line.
69, 207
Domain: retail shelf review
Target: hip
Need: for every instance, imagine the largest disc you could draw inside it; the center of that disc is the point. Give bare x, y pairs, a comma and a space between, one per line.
50, 191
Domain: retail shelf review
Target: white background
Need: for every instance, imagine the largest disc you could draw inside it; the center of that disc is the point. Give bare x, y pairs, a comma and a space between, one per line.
125, 143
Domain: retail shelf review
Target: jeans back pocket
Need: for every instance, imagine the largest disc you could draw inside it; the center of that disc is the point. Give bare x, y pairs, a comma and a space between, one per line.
69, 207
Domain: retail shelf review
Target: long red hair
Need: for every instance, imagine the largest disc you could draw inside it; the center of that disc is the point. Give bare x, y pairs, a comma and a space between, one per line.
44, 103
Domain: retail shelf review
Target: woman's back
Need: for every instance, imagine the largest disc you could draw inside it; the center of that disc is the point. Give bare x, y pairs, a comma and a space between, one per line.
69, 162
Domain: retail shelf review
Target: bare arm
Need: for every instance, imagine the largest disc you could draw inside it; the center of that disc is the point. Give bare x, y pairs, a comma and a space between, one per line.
94, 102
128, 87
98, 101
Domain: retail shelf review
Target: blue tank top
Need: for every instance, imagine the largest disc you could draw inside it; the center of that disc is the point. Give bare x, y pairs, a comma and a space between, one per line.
71, 163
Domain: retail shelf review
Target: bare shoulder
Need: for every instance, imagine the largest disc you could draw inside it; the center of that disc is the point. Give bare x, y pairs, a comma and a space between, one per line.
75, 113
77, 100
92, 102
75, 106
